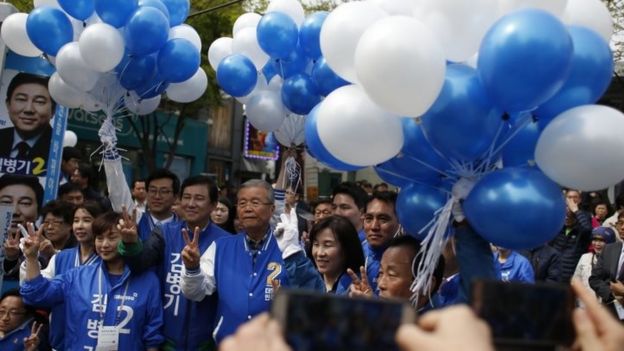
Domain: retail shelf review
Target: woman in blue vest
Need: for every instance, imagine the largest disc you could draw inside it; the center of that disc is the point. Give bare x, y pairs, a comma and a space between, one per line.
110, 308
335, 248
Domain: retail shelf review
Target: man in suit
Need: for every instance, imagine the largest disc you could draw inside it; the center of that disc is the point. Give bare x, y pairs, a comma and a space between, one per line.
607, 278
30, 109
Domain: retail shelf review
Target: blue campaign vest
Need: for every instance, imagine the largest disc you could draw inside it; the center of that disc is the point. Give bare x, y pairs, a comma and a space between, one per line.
91, 301
146, 225
14, 341
65, 261
244, 284
187, 324
343, 284
372, 264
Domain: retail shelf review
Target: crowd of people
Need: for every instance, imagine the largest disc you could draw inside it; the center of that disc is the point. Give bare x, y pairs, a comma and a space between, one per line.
160, 264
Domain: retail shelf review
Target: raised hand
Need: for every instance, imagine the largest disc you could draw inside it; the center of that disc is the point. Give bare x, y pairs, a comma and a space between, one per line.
31, 343
11, 246
127, 226
46, 248
287, 234
190, 253
33, 242
359, 287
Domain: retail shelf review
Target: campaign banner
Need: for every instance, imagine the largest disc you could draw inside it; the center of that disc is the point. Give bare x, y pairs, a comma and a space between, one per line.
6, 215
32, 124
259, 144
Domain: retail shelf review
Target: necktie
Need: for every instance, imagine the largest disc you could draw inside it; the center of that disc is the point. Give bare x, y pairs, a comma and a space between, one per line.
23, 149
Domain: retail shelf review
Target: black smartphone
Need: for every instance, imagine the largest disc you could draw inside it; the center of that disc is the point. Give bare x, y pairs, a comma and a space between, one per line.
526, 315
313, 321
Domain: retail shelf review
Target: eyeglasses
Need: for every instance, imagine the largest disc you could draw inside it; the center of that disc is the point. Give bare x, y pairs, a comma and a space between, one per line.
324, 212
252, 203
161, 192
11, 313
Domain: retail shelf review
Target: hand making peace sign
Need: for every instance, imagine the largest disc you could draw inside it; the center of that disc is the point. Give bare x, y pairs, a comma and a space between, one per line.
359, 287
127, 226
190, 253
33, 241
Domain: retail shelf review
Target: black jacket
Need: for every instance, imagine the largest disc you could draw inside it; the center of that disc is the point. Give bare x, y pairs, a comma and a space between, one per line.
572, 245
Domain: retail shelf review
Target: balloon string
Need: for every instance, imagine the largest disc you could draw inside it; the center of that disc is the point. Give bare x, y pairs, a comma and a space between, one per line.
516, 129
411, 180
428, 166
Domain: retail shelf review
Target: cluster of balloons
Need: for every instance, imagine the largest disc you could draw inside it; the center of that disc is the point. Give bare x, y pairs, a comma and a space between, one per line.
499, 94
273, 64
108, 53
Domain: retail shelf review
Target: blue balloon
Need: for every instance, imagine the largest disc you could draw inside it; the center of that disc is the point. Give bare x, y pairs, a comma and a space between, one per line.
310, 33
326, 80
146, 31
269, 71
516, 208
462, 123
277, 34
589, 78
416, 146
152, 88
178, 60
392, 178
295, 63
524, 59
155, 4
416, 206
49, 29
133, 71
237, 75
520, 150
178, 10
78, 9
115, 12
299, 94
316, 147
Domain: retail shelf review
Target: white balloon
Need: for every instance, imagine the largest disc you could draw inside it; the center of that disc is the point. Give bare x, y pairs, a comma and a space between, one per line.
261, 84
184, 31
70, 138
292, 131
276, 84
78, 26
101, 47
292, 8
73, 69
556, 7
140, 106
91, 103
401, 73
246, 43
395, 7
63, 93
249, 19
218, 50
593, 14
460, 25
341, 32
579, 149
15, 36
189, 90
265, 110
357, 131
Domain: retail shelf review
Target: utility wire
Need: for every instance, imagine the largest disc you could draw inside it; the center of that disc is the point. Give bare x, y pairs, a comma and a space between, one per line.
218, 7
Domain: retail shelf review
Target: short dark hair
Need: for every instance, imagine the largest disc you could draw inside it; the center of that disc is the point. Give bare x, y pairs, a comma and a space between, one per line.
28, 78
70, 152
30, 310
29, 181
318, 202
86, 171
388, 197
93, 207
346, 235
164, 173
359, 196
105, 222
619, 201
414, 244
137, 181
67, 188
377, 186
59, 209
213, 191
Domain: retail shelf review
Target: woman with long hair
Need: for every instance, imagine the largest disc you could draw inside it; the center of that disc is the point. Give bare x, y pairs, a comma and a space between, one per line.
336, 248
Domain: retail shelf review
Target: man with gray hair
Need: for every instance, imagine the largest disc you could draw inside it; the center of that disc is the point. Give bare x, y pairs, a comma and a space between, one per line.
245, 269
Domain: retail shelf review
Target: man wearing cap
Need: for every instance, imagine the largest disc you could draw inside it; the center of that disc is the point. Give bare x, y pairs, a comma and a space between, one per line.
607, 276
601, 236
